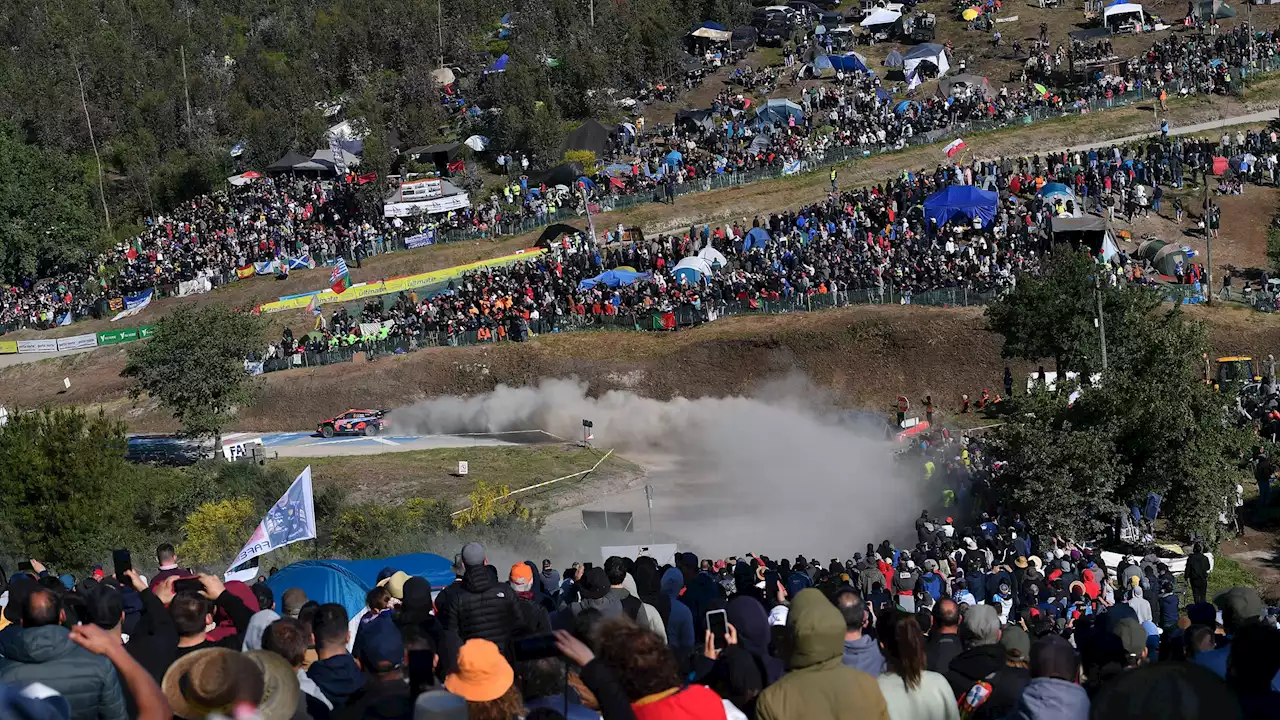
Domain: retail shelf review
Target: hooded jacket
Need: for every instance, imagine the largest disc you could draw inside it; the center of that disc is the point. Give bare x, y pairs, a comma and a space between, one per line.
987, 662
48, 655
864, 654
680, 620
338, 677
1052, 699
483, 608
819, 685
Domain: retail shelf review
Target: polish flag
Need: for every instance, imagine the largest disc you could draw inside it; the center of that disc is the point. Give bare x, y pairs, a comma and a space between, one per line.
954, 147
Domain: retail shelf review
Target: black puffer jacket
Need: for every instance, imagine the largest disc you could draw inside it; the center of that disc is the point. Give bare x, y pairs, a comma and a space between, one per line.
47, 655
482, 607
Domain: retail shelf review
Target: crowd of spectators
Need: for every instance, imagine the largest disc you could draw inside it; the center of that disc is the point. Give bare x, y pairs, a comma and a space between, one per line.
870, 243
982, 618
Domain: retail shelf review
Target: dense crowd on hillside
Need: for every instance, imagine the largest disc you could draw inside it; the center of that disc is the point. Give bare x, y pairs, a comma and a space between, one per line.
214, 236
984, 618
871, 242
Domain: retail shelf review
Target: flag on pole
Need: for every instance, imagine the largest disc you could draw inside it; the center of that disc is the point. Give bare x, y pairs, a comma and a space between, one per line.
291, 519
954, 147
340, 279
314, 305
65, 319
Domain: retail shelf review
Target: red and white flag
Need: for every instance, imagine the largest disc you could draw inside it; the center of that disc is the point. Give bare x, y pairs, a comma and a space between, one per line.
954, 147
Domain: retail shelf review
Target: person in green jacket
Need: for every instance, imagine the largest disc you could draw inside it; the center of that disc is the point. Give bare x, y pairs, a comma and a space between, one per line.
818, 685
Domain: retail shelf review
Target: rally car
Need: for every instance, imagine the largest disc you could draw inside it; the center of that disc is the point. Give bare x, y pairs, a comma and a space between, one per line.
355, 422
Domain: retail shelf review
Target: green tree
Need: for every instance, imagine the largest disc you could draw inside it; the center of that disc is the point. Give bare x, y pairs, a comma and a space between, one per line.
1151, 425
66, 486
47, 223
216, 531
194, 366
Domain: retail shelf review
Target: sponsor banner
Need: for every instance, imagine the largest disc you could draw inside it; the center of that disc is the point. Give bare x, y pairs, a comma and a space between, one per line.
134, 304
78, 342
395, 285
427, 207
194, 287
421, 240
146, 331
38, 346
8, 347
115, 337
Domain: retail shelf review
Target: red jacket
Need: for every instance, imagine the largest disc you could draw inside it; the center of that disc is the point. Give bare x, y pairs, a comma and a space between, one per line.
696, 702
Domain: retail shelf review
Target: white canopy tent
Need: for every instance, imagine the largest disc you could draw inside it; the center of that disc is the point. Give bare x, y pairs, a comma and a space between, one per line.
712, 34
881, 16
1122, 12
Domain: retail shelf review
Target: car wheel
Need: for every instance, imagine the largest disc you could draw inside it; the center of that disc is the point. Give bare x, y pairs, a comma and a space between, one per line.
370, 430
327, 431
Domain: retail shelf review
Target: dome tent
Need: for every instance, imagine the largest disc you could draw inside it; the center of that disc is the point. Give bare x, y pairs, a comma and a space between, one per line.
691, 270
931, 53
347, 581
1163, 255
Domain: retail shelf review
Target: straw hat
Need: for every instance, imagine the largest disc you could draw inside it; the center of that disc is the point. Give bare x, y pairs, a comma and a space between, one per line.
483, 673
395, 584
211, 681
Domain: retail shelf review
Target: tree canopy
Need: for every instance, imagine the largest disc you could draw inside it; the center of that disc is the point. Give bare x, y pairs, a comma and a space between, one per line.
194, 365
1151, 425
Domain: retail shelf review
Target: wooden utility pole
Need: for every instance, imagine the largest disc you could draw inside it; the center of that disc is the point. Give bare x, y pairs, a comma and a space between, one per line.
84, 103
440, 29
186, 89
1208, 238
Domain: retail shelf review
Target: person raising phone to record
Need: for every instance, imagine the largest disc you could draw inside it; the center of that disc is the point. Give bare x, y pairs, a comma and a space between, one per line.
189, 605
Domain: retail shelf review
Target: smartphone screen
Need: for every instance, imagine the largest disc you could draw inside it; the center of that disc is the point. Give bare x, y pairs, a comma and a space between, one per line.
421, 671
123, 562
718, 624
185, 584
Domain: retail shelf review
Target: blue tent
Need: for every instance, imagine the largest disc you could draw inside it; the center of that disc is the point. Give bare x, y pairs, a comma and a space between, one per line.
347, 581
905, 105
883, 94
499, 65
1051, 189
778, 110
847, 63
711, 25
758, 237
822, 66
613, 279
961, 201
673, 158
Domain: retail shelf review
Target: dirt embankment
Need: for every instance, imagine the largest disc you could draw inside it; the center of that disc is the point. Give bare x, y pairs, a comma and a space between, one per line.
866, 356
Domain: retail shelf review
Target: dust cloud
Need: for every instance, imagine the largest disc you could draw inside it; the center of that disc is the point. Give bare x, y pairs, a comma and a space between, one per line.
781, 472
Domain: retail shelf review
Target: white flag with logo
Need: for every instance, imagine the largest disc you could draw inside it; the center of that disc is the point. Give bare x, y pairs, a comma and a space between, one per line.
291, 519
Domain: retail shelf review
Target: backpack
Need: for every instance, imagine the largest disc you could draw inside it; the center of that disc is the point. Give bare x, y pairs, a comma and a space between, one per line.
632, 606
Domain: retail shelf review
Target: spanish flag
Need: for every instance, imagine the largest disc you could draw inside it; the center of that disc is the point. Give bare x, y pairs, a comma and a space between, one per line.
245, 272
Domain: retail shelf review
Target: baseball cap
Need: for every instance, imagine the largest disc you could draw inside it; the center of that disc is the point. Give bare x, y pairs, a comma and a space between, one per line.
982, 624
473, 554
381, 647
1132, 636
521, 573
1016, 640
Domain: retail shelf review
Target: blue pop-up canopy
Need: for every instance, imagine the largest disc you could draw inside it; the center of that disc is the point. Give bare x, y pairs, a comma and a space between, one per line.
613, 279
961, 201
673, 158
499, 65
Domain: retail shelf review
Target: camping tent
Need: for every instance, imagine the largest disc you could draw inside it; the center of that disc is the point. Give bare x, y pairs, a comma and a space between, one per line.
822, 67
443, 76
961, 201
613, 279
440, 154
893, 59
499, 65
849, 62
477, 142
965, 81
590, 135
1164, 256
673, 159
288, 163
562, 174
691, 270
1122, 12
714, 257
701, 119
326, 158
347, 581
881, 16
1055, 189
932, 53
553, 233
1090, 231
757, 237
778, 110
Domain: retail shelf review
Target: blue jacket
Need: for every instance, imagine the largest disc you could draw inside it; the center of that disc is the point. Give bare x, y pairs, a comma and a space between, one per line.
932, 583
976, 582
1168, 610
1052, 699
680, 623
338, 678
864, 654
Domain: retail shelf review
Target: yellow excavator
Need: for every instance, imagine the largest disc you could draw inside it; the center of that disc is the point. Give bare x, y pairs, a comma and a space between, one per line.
1235, 371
